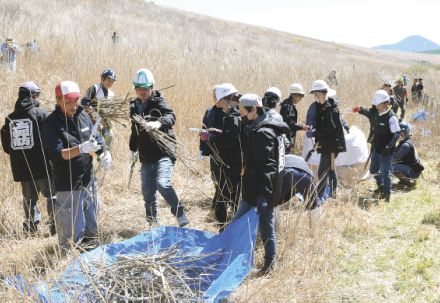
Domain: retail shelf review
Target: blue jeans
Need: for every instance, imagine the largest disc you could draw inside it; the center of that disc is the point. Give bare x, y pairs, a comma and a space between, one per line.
266, 228
406, 170
157, 176
380, 168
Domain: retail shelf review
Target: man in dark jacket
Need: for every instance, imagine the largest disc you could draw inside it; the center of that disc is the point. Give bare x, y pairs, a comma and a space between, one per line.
289, 112
21, 139
386, 134
401, 94
157, 163
263, 162
406, 163
71, 140
223, 140
329, 136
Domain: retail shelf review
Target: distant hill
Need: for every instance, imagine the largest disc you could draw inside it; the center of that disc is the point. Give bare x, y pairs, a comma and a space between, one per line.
411, 44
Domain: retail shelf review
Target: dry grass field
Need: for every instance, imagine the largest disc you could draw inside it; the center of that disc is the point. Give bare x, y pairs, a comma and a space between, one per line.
384, 253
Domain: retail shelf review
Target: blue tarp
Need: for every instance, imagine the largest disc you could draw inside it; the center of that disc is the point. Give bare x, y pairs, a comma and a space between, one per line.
229, 254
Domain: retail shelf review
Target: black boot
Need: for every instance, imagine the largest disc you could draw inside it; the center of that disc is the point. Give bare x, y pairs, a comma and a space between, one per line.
268, 267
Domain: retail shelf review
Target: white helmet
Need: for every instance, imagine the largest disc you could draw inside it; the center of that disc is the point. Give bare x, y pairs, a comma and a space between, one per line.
379, 97
143, 78
296, 88
274, 90
319, 85
224, 90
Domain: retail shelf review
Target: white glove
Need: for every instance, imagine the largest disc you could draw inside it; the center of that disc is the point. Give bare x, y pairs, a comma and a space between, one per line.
134, 155
105, 160
152, 125
89, 147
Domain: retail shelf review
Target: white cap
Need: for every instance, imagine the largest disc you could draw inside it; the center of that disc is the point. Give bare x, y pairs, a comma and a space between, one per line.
67, 89
31, 86
251, 100
143, 78
296, 88
379, 97
274, 90
224, 90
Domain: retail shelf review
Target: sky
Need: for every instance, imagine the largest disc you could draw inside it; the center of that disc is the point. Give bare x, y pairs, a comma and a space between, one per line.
364, 23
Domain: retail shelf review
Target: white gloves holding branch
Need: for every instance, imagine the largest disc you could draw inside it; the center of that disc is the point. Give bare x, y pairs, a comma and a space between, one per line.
88, 147
106, 160
149, 126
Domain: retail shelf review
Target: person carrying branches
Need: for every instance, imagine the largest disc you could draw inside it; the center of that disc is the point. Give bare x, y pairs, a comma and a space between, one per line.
157, 163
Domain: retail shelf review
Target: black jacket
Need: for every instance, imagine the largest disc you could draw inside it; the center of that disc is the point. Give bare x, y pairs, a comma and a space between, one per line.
60, 132
21, 139
228, 143
383, 135
261, 159
213, 118
155, 109
371, 114
329, 133
290, 116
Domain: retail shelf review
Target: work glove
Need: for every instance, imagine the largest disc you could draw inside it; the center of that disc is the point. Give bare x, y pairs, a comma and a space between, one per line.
204, 136
88, 147
386, 151
356, 109
134, 155
149, 126
261, 204
105, 159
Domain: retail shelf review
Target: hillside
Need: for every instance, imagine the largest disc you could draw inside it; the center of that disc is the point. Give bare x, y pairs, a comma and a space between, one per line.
411, 44
384, 253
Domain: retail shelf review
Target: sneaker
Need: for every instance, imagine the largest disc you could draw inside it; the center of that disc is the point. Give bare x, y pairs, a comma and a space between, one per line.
152, 221
182, 220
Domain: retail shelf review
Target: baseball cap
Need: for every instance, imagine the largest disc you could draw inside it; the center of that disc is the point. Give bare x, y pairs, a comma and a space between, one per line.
224, 90
31, 86
251, 100
68, 89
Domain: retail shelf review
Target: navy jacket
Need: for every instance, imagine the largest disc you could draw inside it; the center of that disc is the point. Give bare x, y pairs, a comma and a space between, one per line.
60, 132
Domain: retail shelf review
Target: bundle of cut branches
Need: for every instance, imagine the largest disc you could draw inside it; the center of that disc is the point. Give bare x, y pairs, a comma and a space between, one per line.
160, 277
168, 144
114, 108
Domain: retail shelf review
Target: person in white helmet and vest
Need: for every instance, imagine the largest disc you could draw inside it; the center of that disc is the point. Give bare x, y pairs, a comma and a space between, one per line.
98, 92
289, 113
329, 136
386, 134
157, 163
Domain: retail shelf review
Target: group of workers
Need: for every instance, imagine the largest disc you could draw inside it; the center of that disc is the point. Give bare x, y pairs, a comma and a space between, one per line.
249, 143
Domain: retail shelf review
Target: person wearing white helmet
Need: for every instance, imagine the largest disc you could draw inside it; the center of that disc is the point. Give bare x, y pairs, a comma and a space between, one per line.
289, 113
329, 135
222, 139
271, 99
386, 134
21, 140
157, 163
263, 164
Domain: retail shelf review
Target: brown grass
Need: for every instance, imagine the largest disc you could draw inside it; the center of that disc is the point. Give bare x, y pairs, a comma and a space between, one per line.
346, 261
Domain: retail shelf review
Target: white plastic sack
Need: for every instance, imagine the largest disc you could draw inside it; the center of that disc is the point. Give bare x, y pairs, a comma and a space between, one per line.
357, 149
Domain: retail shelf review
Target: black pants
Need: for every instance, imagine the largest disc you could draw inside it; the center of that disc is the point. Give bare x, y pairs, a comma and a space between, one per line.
227, 191
327, 174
